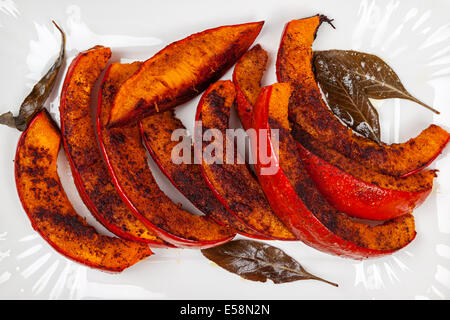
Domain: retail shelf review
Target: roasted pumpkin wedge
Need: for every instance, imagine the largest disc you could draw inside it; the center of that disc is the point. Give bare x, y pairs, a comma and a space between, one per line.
299, 204
310, 114
156, 131
126, 159
50, 211
352, 188
181, 70
233, 184
247, 76
89, 172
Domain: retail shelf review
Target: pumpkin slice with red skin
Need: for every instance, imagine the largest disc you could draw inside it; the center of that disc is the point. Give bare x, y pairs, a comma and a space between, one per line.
50, 211
310, 114
181, 71
233, 184
90, 174
247, 76
126, 158
299, 204
156, 131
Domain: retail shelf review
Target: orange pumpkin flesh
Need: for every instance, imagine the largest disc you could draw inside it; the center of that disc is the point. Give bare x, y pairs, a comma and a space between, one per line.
180, 71
247, 76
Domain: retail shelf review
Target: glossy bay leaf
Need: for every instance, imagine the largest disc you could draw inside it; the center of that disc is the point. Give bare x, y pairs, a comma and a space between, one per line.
35, 100
258, 261
349, 78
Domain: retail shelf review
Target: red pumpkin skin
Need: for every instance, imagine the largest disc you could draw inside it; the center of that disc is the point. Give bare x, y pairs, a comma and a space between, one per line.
290, 208
356, 197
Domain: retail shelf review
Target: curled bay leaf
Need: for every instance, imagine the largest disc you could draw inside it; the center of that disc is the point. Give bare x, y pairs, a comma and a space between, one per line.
258, 261
349, 78
35, 100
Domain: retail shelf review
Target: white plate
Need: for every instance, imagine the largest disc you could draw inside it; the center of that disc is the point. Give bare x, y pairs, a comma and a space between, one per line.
412, 36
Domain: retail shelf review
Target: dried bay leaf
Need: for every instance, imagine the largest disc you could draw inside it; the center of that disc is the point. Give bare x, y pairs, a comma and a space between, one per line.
258, 261
349, 78
346, 98
35, 100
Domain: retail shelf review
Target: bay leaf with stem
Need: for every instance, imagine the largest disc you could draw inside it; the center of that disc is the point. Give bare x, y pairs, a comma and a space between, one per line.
258, 261
349, 78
